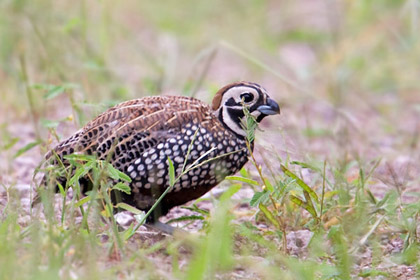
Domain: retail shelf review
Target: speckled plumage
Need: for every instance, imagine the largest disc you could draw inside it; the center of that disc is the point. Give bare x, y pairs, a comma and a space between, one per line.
139, 135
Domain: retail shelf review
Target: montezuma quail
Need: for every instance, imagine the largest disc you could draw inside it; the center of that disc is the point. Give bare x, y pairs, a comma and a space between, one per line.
138, 137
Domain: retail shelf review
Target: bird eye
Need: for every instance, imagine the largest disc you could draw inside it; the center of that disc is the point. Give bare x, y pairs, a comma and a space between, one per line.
247, 97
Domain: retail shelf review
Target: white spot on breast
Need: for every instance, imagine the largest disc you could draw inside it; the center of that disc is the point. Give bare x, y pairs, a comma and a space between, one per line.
130, 168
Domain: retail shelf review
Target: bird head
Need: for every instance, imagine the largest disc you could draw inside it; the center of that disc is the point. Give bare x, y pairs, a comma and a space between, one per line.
231, 101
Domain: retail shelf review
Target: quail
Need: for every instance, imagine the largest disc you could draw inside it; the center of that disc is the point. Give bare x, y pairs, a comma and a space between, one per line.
138, 137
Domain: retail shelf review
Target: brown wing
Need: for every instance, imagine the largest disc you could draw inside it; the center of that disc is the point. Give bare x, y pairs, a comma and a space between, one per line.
134, 126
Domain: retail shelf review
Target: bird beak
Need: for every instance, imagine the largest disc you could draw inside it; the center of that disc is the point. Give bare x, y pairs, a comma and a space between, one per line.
271, 108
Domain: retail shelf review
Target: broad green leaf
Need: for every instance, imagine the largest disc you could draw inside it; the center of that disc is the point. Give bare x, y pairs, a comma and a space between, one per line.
268, 185
82, 201
80, 157
258, 197
309, 205
242, 179
171, 173
304, 205
269, 215
129, 208
116, 174
299, 181
185, 218
122, 187
244, 172
296, 200
80, 172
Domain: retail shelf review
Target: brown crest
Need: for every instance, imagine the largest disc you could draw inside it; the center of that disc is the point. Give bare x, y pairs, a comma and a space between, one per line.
219, 95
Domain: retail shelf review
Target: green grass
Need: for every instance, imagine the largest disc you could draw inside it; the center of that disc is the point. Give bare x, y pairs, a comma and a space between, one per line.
340, 163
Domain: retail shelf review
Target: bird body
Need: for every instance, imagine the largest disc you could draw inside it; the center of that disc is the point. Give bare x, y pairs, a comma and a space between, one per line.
205, 144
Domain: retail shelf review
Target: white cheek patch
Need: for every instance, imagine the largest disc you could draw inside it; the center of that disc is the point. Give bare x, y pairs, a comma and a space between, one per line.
231, 124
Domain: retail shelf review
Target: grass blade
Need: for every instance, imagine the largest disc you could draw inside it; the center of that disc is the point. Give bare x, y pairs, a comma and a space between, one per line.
171, 172
26, 148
